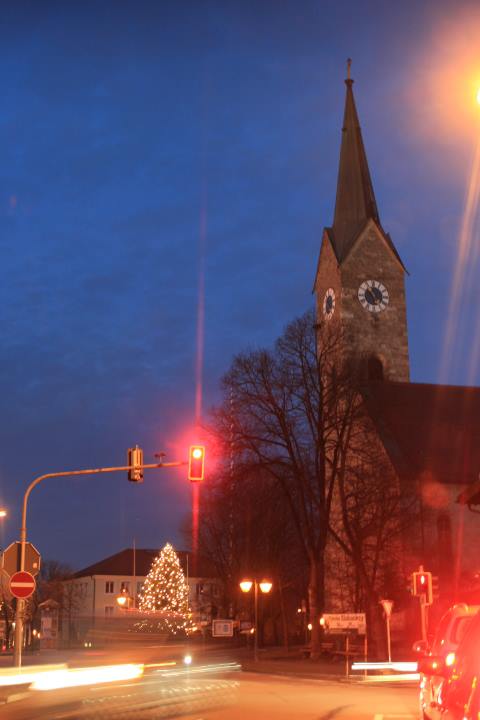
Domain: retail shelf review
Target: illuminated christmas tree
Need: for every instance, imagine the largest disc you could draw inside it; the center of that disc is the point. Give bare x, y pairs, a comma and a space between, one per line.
164, 595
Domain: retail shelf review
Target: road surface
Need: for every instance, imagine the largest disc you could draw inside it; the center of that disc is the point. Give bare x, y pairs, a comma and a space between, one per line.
220, 696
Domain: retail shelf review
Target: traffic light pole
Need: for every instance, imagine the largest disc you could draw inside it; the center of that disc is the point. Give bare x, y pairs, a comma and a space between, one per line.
20, 609
423, 616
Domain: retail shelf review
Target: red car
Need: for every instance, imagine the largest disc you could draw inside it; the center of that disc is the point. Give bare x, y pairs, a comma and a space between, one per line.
458, 695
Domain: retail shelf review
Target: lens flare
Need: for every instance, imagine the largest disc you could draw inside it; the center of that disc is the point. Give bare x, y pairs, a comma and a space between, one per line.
463, 277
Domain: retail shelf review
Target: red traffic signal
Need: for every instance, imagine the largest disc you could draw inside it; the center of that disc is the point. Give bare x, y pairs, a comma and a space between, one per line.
422, 585
196, 463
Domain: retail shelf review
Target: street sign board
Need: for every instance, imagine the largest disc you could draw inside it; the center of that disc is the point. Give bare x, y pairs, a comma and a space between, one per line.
22, 585
11, 559
340, 622
222, 628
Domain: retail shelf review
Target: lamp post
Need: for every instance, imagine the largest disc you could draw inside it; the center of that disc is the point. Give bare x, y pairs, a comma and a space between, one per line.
3, 514
265, 587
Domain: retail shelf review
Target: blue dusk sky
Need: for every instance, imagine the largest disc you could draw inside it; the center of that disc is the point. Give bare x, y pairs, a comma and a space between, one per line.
155, 153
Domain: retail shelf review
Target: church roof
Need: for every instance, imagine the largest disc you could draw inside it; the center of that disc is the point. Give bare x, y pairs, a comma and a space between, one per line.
122, 564
429, 429
355, 203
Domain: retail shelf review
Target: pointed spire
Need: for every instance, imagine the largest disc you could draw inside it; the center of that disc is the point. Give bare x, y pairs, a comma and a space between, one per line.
355, 202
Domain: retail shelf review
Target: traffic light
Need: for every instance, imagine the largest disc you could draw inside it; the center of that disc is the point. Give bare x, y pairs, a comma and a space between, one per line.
135, 461
422, 585
196, 463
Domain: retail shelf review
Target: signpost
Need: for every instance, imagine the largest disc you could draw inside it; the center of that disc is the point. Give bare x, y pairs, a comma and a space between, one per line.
12, 556
222, 628
22, 585
387, 609
346, 624
340, 622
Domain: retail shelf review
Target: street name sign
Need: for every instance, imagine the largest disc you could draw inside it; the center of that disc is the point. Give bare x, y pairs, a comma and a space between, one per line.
338, 622
22, 585
222, 628
11, 559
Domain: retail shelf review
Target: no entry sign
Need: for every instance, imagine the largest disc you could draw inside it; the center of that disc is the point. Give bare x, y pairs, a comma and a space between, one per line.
22, 585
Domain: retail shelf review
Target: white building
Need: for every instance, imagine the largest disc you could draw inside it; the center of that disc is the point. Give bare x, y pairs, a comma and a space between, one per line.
91, 595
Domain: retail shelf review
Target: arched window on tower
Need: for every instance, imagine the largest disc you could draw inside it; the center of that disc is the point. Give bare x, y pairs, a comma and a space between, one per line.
374, 368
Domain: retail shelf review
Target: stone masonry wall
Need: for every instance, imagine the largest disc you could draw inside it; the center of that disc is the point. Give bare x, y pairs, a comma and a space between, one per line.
383, 334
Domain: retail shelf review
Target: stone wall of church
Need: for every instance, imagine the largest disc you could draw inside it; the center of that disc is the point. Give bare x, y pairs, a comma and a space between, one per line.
328, 276
381, 334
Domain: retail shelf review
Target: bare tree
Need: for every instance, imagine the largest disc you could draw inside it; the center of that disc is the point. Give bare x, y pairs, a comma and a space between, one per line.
291, 416
56, 583
371, 514
246, 530
297, 417
7, 610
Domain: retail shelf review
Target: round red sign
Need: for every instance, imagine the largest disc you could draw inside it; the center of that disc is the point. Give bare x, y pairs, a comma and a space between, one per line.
22, 584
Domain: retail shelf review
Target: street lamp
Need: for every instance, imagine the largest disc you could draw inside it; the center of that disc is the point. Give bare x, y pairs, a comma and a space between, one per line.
124, 600
265, 587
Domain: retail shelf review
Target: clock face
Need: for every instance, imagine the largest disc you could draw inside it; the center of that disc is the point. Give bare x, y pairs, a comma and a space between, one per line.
373, 295
329, 303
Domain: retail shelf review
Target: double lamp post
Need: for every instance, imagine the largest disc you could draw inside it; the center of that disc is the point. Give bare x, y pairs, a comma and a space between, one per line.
265, 587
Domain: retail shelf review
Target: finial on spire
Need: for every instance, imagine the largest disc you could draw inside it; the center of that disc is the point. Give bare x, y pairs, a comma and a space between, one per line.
349, 65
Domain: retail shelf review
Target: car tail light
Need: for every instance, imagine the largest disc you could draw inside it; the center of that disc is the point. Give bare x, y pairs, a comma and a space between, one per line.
450, 659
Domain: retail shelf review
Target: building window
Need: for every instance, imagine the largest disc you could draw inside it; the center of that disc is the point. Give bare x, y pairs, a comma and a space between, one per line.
125, 586
375, 368
109, 587
139, 587
108, 610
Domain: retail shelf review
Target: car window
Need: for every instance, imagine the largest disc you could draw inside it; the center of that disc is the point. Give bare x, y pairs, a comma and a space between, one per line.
468, 650
440, 634
459, 628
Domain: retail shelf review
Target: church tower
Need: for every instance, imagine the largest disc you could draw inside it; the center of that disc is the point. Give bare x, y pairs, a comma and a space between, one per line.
360, 279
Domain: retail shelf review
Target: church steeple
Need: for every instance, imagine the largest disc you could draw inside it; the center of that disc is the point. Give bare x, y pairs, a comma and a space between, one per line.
360, 279
355, 202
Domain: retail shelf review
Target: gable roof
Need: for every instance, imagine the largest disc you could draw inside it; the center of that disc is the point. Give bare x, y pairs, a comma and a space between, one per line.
432, 429
122, 564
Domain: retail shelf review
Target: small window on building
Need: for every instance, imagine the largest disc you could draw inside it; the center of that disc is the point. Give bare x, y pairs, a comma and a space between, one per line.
109, 587
125, 586
375, 368
139, 587
108, 610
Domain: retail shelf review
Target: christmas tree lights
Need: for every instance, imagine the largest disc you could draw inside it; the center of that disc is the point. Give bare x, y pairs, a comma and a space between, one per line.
164, 596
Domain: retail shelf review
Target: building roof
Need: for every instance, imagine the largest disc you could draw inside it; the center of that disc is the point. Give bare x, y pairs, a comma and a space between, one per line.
355, 202
429, 429
122, 564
